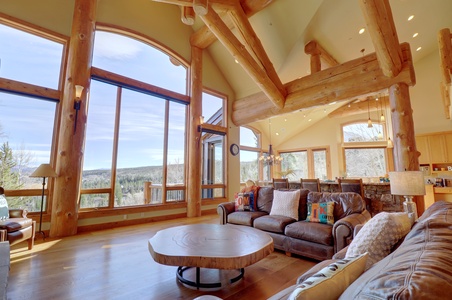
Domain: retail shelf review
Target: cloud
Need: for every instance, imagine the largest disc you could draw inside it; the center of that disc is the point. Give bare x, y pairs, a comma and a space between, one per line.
114, 46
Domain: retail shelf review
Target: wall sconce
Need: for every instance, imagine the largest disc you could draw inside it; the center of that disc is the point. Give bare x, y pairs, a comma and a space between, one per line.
201, 121
77, 103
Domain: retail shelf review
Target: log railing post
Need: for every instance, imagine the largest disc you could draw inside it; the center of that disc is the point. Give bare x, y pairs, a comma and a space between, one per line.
147, 192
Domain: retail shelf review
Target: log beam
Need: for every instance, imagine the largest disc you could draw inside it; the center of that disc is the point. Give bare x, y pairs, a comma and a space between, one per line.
203, 38
319, 55
445, 54
187, 15
380, 25
70, 143
347, 81
194, 141
243, 26
359, 107
445, 94
239, 52
406, 156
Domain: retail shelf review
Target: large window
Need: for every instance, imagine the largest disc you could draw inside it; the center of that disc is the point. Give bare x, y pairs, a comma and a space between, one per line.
30, 60
135, 143
364, 150
306, 163
249, 154
213, 149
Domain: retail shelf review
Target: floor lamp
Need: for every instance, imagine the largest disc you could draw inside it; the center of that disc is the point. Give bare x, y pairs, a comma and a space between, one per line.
44, 170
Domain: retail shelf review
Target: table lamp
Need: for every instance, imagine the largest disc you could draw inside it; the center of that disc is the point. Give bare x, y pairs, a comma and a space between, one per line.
408, 184
44, 170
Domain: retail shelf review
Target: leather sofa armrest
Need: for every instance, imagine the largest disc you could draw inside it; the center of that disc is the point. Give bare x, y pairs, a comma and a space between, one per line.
343, 229
18, 213
224, 209
341, 253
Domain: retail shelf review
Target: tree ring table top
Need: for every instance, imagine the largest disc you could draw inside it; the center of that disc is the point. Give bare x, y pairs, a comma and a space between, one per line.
210, 246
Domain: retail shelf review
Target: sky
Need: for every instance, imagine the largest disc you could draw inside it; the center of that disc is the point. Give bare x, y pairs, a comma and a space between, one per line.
27, 123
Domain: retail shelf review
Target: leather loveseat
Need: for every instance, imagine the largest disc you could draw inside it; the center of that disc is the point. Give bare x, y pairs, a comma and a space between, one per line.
298, 236
418, 267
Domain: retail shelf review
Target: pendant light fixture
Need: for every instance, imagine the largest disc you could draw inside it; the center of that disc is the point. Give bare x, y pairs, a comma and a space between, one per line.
382, 117
269, 158
369, 121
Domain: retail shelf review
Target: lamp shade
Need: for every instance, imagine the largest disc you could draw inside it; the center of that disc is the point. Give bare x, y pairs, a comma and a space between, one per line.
44, 170
407, 183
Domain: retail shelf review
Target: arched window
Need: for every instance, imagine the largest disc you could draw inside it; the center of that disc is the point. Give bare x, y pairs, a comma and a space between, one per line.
136, 127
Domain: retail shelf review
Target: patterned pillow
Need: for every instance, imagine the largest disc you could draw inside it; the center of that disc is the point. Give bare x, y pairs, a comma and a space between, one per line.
285, 203
379, 235
4, 211
255, 190
321, 212
331, 281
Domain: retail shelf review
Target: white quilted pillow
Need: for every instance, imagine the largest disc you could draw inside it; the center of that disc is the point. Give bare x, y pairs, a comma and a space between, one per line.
379, 235
285, 203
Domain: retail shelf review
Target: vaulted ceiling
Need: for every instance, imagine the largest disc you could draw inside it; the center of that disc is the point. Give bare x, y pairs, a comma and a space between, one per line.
284, 27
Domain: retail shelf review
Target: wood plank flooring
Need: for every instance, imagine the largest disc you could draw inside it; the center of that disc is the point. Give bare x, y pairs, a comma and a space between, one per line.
116, 264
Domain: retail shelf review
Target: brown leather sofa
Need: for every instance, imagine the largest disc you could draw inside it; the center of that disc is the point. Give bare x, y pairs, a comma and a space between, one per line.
419, 267
313, 240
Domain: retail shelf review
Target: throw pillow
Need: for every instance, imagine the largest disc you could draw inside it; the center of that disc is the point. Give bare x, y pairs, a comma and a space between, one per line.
379, 235
255, 190
285, 203
4, 211
332, 280
321, 212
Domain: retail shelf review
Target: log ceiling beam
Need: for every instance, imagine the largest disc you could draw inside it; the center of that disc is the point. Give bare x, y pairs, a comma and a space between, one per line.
203, 38
360, 107
245, 29
382, 31
343, 82
314, 49
239, 52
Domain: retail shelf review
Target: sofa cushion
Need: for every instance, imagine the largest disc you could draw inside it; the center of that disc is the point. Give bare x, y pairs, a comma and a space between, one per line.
312, 232
331, 281
419, 269
270, 223
321, 213
265, 199
379, 235
285, 203
346, 203
244, 217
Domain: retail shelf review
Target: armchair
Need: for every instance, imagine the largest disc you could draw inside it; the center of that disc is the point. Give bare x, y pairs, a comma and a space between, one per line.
17, 227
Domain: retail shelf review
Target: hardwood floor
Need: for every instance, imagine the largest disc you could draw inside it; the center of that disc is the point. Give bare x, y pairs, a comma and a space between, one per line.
116, 264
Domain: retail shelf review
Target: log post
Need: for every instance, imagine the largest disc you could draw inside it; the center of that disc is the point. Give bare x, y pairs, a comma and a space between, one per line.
71, 139
406, 156
194, 140
147, 192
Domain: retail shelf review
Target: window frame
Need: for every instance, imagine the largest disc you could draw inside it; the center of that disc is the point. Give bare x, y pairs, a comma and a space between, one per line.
310, 155
40, 93
381, 144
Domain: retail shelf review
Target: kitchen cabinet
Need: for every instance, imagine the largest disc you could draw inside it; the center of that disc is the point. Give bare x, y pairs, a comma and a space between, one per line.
437, 147
422, 147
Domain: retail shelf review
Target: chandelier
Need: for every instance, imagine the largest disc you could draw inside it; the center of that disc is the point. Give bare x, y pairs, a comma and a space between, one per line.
269, 158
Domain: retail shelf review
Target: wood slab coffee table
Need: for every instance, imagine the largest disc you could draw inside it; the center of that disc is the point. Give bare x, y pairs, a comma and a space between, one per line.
212, 246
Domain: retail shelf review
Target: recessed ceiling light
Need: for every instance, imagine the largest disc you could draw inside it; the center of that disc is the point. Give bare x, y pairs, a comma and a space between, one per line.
361, 31
236, 61
418, 48
410, 17
277, 133
309, 120
415, 35
332, 103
